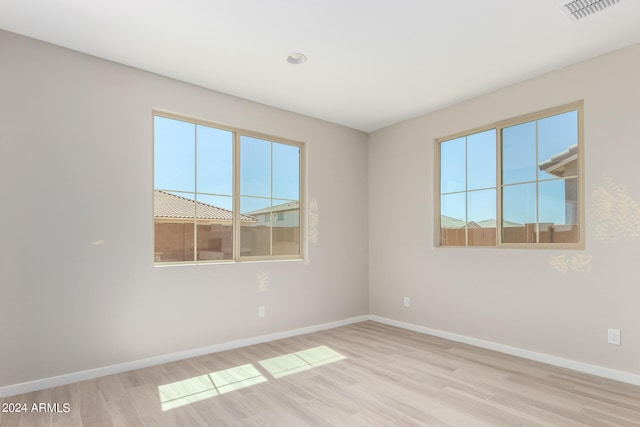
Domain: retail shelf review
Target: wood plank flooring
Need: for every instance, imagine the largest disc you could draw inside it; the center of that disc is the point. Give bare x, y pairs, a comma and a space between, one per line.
366, 374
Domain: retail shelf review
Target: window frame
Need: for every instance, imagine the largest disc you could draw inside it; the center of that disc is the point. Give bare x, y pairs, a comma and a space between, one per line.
499, 126
237, 133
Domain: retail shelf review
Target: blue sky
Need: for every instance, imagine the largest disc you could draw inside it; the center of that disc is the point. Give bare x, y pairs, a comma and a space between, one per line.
470, 163
269, 172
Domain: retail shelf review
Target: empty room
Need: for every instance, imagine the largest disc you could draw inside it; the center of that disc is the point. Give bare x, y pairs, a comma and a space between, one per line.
302, 213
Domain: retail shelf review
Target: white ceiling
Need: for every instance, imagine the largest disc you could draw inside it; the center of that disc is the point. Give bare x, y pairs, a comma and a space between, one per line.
371, 63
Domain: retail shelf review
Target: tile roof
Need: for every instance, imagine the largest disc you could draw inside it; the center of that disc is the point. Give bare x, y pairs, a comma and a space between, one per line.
167, 205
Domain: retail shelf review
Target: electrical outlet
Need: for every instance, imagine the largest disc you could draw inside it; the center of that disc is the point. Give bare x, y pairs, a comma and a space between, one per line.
613, 336
407, 302
261, 311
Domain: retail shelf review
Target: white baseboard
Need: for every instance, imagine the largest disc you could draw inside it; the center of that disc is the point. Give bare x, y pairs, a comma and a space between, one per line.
41, 384
44, 383
586, 368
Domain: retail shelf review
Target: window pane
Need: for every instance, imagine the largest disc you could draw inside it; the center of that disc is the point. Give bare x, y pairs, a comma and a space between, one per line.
173, 240
286, 228
215, 231
286, 171
255, 228
174, 155
481, 217
481, 160
558, 211
255, 167
558, 145
453, 219
519, 213
453, 166
214, 161
519, 153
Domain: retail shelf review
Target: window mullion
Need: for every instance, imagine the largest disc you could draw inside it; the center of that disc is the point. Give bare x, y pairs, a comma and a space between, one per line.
271, 197
195, 193
235, 215
537, 185
466, 191
499, 232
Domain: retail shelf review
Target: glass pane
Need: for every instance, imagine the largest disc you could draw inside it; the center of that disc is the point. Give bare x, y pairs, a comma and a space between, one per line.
558, 211
481, 160
255, 226
286, 228
558, 145
481, 217
255, 167
214, 161
519, 213
453, 166
519, 153
286, 171
173, 155
173, 240
215, 231
214, 241
453, 219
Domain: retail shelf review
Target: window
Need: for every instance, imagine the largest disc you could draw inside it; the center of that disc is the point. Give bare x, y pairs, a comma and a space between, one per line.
517, 183
215, 189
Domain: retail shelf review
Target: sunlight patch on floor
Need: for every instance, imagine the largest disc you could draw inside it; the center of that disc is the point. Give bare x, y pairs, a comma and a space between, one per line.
191, 390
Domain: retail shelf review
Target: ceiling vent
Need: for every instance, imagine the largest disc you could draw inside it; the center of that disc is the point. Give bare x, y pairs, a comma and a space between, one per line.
579, 9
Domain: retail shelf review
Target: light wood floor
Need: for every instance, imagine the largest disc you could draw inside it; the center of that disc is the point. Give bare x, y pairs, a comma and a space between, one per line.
387, 377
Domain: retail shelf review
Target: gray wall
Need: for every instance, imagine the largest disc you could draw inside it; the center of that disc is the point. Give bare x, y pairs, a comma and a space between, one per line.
518, 298
76, 170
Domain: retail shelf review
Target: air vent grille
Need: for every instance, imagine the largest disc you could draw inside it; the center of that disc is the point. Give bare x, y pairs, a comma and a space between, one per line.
579, 9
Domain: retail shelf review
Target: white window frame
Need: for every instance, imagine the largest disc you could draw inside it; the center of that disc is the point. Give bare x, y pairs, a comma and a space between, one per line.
236, 223
577, 106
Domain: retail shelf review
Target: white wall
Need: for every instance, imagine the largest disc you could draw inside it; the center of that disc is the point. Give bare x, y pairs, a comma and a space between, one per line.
516, 297
76, 168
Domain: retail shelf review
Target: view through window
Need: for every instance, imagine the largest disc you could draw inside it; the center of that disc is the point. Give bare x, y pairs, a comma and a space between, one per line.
515, 183
224, 194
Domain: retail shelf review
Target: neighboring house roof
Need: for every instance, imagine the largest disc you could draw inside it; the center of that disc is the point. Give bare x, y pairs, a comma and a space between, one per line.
289, 206
448, 222
491, 223
557, 163
167, 205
